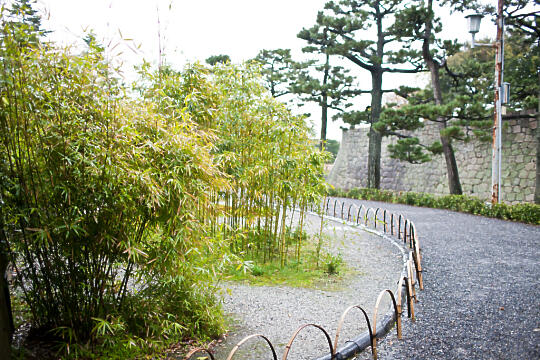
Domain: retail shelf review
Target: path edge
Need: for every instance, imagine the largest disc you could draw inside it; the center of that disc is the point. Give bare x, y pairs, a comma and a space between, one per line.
363, 341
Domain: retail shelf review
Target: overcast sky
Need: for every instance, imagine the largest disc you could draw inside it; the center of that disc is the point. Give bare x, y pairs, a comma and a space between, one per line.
193, 30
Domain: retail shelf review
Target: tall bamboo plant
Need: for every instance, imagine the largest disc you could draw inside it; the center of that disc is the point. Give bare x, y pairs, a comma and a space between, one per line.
274, 148
102, 199
118, 211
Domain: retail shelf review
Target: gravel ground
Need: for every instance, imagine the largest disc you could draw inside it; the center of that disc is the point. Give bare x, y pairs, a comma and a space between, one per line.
482, 287
277, 312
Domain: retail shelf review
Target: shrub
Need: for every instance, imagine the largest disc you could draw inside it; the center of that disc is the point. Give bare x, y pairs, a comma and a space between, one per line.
355, 193
499, 211
336, 192
410, 199
527, 213
472, 205
102, 200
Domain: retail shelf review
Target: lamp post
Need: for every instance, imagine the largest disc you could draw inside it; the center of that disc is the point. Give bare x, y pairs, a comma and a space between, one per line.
501, 91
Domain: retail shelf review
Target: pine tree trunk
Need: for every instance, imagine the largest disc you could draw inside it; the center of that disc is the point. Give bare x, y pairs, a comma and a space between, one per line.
374, 159
537, 132
375, 138
324, 122
454, 184
324, 104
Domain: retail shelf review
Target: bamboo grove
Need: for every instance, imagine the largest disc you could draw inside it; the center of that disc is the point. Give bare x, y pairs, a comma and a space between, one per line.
120, 205
263, 150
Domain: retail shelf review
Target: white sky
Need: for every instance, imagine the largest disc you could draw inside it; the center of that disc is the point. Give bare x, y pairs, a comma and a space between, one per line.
196, 29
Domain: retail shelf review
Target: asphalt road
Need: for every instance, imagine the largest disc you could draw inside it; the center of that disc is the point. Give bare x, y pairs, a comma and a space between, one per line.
482, 289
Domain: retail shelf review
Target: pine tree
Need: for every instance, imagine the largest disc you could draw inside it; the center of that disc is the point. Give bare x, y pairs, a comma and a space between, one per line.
218, 59
418, 24
347, 20
23, 22
460, 96
331, 88
279, 70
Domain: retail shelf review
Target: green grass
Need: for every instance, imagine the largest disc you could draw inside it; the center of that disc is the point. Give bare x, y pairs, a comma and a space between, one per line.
329, 272
294, 274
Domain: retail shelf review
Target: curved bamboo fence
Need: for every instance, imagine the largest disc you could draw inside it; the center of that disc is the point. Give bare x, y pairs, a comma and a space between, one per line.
383, 223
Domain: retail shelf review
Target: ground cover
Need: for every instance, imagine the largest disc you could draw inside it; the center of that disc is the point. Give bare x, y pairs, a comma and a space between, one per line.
315, 268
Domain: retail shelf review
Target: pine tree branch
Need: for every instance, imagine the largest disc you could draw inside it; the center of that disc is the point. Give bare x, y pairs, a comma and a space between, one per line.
362, 52
455, 77
403, 136
404, 71
399, 135
534, 13
389, 10
357, 92
336, 108
360, 62
278, 94
389, 40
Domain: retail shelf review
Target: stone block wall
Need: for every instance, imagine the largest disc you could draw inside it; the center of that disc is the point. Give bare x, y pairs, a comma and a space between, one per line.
473, 159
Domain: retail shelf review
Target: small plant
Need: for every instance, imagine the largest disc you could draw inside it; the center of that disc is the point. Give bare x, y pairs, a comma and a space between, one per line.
257, 271
312, 269
332, 264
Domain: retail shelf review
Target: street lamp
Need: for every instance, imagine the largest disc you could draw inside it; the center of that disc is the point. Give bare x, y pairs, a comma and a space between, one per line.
501, 92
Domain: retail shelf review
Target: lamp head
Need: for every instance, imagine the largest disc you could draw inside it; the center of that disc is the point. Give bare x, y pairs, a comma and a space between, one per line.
474, 22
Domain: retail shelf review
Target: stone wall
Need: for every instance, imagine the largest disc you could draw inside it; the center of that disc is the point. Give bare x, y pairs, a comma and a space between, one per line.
473, 159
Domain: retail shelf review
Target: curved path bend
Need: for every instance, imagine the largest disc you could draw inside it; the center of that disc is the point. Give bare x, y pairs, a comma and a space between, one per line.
482, 289
481, 297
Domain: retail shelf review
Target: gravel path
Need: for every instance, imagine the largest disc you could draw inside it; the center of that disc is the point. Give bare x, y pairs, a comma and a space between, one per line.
277, 312
482, 289
481, 297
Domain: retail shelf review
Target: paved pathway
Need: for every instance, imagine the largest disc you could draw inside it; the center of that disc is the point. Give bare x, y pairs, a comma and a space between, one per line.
482, 289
